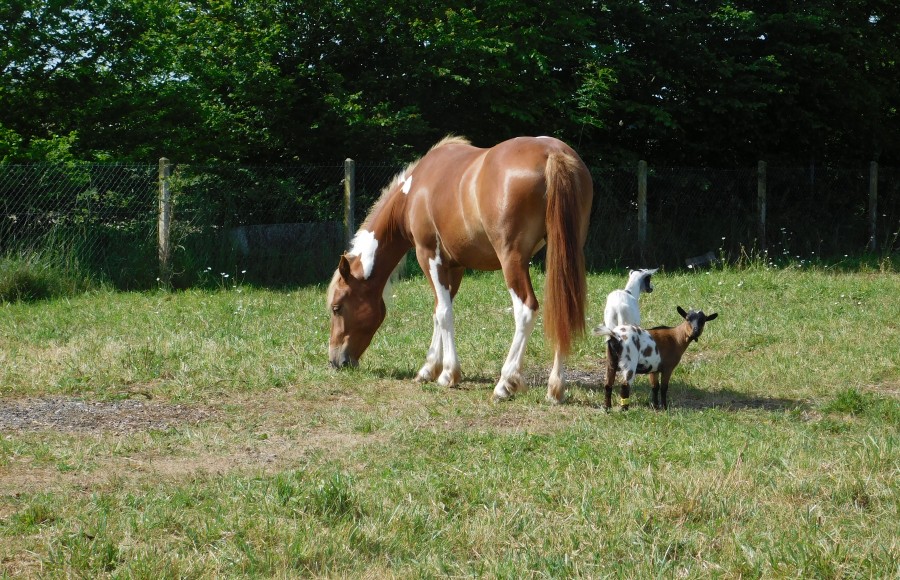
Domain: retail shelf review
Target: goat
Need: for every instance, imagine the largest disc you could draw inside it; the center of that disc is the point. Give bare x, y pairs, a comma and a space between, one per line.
622, 305
632, 350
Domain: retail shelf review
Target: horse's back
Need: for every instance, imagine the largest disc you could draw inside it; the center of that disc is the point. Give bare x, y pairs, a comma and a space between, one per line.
480, 202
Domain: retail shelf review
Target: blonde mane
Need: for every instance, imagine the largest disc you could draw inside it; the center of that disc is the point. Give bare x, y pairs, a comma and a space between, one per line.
400, 177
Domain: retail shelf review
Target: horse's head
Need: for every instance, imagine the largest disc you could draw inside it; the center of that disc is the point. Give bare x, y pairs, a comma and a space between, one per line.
357, 310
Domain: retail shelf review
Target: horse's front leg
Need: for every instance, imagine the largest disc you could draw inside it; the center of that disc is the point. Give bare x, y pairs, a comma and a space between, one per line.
442, 351
434, 358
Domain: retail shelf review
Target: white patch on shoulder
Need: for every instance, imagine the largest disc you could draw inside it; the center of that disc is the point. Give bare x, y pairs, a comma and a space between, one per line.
407, 185
364, 245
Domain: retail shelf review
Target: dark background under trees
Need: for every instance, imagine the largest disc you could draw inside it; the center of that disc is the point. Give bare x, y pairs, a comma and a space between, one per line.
709, 83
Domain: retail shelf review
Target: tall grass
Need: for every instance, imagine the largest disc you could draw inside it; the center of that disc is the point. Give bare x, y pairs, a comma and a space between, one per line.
779, 457
39, 275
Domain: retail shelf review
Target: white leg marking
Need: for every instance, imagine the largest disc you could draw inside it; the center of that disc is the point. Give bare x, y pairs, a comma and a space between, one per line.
444, 328
428, 372
510, 379
556, 385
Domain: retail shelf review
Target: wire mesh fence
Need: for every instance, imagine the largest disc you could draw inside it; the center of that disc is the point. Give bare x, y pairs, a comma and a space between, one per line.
92, 217
283, 225
264, 225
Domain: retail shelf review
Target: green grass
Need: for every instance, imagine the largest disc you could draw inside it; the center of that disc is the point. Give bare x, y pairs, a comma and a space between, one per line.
780, 456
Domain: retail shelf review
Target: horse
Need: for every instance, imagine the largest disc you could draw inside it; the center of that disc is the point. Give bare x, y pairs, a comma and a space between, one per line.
459, 207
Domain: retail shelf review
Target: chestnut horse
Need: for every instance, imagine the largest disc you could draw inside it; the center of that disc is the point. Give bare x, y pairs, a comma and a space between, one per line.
463, 207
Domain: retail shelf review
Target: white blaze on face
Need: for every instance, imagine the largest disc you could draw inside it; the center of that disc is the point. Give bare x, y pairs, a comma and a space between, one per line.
364, 245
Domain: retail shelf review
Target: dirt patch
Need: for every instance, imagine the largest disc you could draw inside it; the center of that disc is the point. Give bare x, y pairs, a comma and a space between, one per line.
69, 415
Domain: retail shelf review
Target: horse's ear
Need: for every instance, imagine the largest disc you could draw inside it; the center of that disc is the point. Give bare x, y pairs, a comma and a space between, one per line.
712, 316
681, 312
344, 268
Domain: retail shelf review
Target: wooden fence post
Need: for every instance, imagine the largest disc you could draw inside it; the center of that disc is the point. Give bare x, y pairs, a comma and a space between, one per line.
642, 205
165, 223
349, 201
761, 205
873, 205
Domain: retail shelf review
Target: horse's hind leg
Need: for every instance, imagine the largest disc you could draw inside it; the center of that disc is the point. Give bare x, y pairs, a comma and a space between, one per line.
524, 311
556, 384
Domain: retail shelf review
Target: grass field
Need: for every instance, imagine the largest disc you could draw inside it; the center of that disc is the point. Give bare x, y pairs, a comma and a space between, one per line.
202, 434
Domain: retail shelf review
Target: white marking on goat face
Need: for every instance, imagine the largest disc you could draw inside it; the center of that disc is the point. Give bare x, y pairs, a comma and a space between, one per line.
364, 245
407, 185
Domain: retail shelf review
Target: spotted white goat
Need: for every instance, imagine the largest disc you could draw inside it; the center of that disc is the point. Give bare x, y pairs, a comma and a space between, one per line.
632, 351
622, 305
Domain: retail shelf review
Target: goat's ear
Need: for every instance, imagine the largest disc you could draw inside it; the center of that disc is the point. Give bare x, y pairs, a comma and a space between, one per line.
712, 316
344, 268
681, 312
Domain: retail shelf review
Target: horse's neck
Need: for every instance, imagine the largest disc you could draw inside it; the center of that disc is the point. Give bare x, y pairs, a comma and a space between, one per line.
389, 227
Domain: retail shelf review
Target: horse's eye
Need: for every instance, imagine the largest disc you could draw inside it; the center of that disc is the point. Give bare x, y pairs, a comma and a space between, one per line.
336, 308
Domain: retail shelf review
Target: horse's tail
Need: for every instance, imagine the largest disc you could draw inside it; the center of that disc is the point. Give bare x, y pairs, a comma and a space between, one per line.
566, 289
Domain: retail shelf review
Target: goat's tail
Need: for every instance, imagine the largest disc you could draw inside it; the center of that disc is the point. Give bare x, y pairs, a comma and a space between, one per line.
614, 345
602, 331
569, 197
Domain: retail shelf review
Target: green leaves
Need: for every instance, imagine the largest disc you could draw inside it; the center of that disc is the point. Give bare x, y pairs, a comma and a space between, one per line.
716, 83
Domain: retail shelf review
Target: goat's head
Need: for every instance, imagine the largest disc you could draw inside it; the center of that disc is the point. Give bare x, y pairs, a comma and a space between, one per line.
643, 279
697, 319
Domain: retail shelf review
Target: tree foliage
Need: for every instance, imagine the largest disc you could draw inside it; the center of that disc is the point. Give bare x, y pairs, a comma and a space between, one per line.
716, 82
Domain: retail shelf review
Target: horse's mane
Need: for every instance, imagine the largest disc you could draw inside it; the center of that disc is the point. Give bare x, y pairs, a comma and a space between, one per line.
451, 140
401, 176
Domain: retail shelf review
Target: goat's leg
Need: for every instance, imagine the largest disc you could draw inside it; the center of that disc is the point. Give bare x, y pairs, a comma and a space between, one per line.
626, 389
665, 389
654, 389
610, 380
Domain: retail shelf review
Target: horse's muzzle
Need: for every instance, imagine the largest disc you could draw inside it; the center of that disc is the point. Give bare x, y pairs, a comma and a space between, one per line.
339, 359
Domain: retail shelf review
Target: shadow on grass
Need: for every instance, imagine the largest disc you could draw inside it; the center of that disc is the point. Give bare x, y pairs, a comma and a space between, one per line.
468, 381
681, 395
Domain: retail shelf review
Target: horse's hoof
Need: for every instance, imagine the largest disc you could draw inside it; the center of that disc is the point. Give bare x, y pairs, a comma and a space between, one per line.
507, 387
556, 394
554, 401
501, 395
425, 375
449, 378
